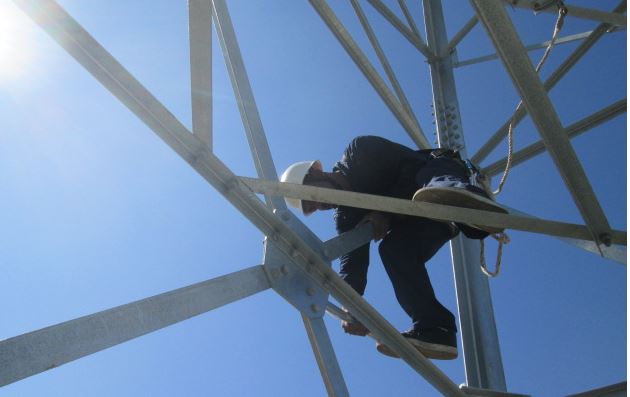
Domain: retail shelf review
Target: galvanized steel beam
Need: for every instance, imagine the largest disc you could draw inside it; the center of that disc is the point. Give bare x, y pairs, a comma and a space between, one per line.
493, 16
531, 47
325, 356
477, 392
574, 11
71, 36
551, 81
572, 131
385, 63
427, 210
200, 38
336, 27
409, 17
483, 363
413, 38
617, 390
348, 241
245, 98
459, 36
29, 354
614, 252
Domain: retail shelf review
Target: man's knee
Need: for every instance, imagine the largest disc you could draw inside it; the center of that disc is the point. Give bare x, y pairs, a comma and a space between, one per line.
388, 250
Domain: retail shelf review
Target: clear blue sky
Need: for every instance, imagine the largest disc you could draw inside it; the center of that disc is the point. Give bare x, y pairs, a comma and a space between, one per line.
96, 211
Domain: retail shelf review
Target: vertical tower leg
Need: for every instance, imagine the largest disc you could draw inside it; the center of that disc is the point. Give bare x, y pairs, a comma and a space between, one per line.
482, 356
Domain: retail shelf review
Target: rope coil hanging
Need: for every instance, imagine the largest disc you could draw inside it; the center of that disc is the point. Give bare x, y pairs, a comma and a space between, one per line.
503, 238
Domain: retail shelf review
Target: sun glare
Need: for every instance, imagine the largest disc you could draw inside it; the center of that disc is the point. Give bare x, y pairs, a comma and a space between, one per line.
16, 42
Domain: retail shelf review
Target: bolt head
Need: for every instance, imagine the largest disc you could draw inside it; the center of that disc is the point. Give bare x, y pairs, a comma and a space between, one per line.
606, 239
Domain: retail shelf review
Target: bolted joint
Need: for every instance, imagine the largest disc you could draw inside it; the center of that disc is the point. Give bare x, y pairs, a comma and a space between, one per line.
606, 239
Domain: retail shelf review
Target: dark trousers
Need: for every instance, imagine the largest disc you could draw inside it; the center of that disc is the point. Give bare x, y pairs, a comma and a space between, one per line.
411, 242
404, 252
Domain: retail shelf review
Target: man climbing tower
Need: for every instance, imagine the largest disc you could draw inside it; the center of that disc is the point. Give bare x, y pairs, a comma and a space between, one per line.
378, 166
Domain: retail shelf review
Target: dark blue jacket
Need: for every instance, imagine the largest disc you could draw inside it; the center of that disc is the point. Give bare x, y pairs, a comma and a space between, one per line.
378, 166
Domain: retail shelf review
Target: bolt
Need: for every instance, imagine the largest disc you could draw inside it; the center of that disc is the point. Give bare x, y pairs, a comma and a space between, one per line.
310, 291
314, 308
275, 273
606, 239
284, 269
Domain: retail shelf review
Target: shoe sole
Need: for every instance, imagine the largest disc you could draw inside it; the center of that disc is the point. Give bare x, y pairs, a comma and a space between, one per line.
429, 350
458, 197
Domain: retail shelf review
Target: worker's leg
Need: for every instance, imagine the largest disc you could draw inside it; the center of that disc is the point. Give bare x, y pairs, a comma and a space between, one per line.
404, 252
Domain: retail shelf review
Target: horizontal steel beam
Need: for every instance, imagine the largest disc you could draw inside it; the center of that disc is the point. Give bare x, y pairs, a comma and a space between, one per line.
50, 347
359, 58
551, 82
572, 131
477, 392
87, 51
615, 253
574, 11
534, 96
531, 47
412, 37
427, 210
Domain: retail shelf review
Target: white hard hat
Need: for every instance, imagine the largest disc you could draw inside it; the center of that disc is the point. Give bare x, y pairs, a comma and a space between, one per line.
296, 174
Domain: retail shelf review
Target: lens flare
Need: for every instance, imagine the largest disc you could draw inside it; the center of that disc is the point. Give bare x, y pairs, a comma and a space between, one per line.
16, 42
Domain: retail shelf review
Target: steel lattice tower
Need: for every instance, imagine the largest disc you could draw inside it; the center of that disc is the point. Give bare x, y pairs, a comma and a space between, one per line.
297, 264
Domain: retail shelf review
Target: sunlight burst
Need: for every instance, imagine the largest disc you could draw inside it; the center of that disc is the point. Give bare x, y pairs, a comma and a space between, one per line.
16, 42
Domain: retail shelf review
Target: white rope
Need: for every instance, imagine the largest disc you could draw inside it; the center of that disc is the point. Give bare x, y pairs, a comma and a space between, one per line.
503, 238
562, 12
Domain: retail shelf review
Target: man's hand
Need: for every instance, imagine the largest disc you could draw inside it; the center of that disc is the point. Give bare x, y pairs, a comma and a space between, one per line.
380, 224
354, 327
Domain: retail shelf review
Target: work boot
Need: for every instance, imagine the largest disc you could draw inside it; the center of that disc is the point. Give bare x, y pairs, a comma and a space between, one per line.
460, 197
434, 343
